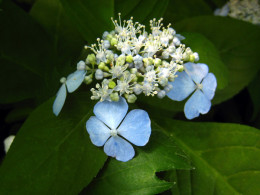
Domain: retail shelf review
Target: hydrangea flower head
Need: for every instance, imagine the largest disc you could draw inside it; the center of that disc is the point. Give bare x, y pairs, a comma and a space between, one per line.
246, 10
195, 77
112, 128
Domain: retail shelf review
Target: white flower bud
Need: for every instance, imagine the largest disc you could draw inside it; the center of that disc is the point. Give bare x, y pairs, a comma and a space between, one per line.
8, 142
99, 74
81, 65
161, 94
138, 89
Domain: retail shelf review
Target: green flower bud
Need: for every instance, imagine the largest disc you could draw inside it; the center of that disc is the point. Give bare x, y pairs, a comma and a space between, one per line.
101, 65
129, 59
186, 57
134, 78
109, 37
180, 68
88, 79
113, 41
91, 59
114, 96
157, 62
131, 98
111, 84
120, 61
133, 70
192, 58
148, 61
106, 69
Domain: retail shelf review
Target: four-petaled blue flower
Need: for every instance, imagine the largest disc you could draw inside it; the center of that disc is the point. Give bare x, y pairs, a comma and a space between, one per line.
195, 77
72, 83
112, 127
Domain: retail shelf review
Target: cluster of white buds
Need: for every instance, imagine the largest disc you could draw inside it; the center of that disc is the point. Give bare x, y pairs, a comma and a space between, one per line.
129, 61
246, 10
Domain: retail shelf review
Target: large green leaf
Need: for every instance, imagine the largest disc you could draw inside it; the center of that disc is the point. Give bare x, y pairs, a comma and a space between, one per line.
24, 57
137, 176
238, 44
226, 157
68, 43
52, 155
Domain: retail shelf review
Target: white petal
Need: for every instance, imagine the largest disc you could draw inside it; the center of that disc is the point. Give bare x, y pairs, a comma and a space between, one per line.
75, 79
136, 127
119, 148
98, 131
182, 87
196, 71
209, 86
60, 100
198, 103
110, 112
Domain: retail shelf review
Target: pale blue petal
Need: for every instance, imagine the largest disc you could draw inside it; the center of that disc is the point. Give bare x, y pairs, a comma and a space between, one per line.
74, 80
182, 87
196, 71
198, 103
110, 112
136, 127
60, 100
119, 148
209, 85
98, 131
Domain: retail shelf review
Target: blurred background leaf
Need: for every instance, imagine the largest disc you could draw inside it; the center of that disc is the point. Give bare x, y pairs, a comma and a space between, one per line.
254, 91
226, 157
67, 41
53, 155
23, 70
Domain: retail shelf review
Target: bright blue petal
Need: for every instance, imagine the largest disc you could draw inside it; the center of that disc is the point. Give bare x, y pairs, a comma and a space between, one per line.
110, 112
198, 103
196, 71
60, 100
182, 87
209, 86
98, 131
119, 148
136, 127
75, 79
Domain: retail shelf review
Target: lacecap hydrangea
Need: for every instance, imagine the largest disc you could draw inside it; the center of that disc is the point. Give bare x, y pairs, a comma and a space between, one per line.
127, 62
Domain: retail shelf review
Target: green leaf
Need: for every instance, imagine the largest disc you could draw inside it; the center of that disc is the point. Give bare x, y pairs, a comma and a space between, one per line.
91, 18
209, 55
137, 176
238, 46
53, 155
226, 156
68, 43
25, 58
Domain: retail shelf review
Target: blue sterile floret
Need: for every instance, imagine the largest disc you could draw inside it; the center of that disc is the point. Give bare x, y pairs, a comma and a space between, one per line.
111, 127
195, 77
72, 83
